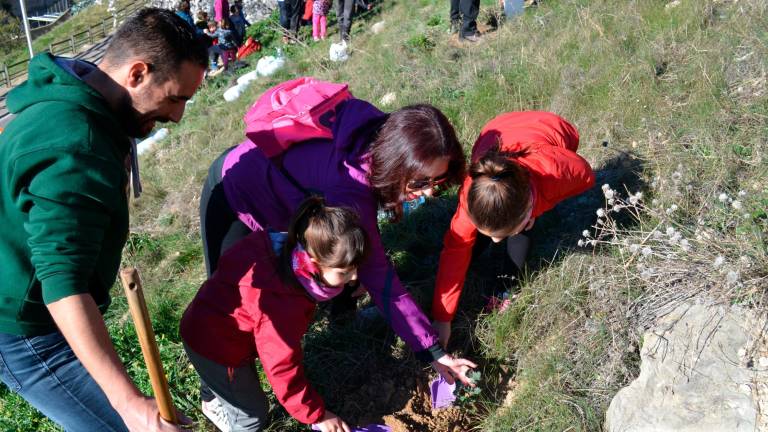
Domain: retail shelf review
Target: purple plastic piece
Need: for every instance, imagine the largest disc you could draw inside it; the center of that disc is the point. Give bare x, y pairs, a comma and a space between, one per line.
442, 393
369, 428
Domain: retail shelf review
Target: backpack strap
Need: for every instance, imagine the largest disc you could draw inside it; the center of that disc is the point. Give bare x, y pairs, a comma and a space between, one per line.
278, 161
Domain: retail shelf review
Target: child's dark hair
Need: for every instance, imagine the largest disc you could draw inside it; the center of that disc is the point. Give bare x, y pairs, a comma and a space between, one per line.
411, 138
233, 9
332, 236
500, 193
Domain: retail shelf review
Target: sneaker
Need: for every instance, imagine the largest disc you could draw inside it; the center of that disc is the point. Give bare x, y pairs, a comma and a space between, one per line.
470, 38
216, 414
316, 39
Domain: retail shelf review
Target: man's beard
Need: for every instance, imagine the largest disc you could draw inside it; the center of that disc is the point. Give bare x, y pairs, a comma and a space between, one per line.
132, 119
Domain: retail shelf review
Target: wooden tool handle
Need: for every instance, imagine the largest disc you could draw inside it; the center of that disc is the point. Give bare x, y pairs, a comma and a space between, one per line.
138, 306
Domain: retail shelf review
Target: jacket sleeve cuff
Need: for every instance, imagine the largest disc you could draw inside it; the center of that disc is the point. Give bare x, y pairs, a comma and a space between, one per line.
430, 354
64, 284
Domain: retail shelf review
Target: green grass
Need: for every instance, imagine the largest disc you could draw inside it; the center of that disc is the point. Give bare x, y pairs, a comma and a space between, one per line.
87, 18
668, 101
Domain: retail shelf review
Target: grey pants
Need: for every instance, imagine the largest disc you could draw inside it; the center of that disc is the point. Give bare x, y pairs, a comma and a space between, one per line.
238, 390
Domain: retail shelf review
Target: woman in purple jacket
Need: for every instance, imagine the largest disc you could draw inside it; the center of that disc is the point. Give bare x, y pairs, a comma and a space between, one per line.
373, 160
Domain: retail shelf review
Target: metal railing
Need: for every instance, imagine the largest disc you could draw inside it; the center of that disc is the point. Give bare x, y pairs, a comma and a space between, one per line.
9, 73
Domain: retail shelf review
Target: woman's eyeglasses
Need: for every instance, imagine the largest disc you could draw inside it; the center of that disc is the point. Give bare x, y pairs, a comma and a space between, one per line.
426, 183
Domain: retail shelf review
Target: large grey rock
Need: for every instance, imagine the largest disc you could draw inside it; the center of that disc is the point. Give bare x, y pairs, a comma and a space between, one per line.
704, 369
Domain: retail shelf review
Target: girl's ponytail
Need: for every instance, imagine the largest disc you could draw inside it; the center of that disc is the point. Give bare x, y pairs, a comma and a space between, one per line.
500, 193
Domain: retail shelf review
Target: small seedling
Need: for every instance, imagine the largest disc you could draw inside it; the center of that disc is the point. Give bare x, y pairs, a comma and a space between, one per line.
466, 394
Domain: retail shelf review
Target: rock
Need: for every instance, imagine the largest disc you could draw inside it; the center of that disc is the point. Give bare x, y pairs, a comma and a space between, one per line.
672, 4
388, 98
691, 378
377, 27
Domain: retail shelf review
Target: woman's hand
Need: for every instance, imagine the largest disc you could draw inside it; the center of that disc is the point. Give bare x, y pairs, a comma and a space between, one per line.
332, 423
452, 368
443, 329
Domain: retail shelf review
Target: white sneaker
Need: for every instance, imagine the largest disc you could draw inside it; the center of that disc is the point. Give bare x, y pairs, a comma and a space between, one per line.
216, 414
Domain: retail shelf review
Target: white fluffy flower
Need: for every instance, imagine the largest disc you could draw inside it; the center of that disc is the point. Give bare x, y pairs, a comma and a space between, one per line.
736, 204
657, 235
605, 187
647, 251
616, 208
742, 193
580, 243
609, 194
600, 212
633, 200
585, 233
677, 176
654, 202
685, 245
674, 207
634, 248
718, 261
732, 277
670, 231
646, 274
723, 197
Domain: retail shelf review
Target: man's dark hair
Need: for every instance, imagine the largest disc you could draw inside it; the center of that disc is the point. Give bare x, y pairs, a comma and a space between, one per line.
160, 38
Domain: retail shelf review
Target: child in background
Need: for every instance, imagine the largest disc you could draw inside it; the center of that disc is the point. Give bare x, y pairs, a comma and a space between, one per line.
238, 25
225, 43
202, 20
259, 303
320, 10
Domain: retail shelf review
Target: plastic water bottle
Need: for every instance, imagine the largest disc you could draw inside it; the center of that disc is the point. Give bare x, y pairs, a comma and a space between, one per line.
513, 7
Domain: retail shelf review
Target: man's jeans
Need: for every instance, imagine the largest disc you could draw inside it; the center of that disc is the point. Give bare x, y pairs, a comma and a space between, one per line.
45, 372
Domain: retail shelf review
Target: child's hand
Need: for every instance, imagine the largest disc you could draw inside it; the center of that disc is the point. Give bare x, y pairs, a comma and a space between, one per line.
452, 368
332, 423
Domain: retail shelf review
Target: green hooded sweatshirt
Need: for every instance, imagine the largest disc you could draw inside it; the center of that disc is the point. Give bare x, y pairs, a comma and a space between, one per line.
63, 196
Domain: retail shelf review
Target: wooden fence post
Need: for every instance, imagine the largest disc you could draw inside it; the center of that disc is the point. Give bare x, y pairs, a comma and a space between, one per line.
90, 36
72, 43
50, 48
7, 77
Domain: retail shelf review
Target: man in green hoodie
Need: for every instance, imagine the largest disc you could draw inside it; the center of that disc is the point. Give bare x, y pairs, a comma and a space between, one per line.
65, 165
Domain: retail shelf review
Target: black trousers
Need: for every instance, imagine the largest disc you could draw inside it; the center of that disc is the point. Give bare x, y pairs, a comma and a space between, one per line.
294, 9
465, 11
219, 226
344, 16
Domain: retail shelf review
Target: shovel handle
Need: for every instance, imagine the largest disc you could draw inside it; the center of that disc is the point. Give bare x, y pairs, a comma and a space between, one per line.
138, 306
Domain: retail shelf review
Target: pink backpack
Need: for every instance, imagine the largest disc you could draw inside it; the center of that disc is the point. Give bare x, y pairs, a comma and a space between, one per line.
294, 111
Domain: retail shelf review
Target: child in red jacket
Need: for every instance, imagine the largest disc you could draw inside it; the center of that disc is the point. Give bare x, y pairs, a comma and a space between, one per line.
523, 164
260, 302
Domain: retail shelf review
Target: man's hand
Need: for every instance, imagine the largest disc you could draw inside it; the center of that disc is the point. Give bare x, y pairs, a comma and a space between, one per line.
142, 414
443, 329
332, 423
82, 325
452, 368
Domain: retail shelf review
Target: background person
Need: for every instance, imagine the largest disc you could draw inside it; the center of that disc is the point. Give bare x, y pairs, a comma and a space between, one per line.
64, 173
464, 19
523, 164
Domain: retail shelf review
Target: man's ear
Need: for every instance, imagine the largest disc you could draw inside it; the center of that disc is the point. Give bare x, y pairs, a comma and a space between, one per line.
138, 74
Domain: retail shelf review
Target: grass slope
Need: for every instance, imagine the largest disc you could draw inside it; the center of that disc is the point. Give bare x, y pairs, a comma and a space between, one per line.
670, 101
